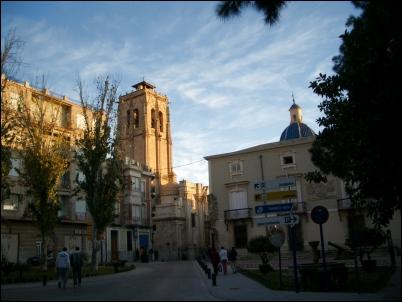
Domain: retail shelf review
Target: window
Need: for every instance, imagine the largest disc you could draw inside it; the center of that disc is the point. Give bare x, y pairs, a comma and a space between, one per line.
80, 121
64, 206
117, 208
80, 209
62, 116
236, 167
136, 212
38, 245
15, 164
288, 159
11, 203
14, 100
153, 122
238, 199
160, 121
136, 119
136, 184
128, 122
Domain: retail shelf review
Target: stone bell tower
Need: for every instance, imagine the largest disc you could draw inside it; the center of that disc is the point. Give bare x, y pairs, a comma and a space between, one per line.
144, 125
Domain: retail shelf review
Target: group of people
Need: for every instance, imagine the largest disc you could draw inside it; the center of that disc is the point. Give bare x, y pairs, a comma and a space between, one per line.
223, 257
65, 262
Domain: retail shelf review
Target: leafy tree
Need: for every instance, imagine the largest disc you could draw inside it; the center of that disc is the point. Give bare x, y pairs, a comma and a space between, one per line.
366, 240
359, 106
45, 156
263, 247
270, 9
98, 159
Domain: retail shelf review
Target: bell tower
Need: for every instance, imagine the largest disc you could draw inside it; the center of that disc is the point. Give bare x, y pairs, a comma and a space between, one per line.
144, 129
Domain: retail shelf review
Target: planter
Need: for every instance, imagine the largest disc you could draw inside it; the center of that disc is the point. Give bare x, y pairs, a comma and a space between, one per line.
369, 266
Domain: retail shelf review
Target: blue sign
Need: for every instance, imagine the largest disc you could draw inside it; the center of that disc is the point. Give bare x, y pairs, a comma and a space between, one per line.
280, 207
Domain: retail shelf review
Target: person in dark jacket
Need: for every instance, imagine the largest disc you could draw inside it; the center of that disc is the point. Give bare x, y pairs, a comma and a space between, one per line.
232, 259
215, 259
76, 264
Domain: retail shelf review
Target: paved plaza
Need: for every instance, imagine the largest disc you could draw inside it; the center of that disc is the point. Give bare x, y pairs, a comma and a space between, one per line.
179, 281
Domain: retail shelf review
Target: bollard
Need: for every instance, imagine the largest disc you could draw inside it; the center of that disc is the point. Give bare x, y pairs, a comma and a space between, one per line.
213, 280
209, 273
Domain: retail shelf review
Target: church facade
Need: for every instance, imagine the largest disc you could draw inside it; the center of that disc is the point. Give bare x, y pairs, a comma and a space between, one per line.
235, 193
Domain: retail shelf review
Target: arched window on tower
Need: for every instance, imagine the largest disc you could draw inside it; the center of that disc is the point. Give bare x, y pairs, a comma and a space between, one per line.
128, 121
153, 122
160, 121
136, 118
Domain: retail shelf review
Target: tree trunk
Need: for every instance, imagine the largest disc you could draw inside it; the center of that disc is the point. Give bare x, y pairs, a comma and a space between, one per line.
44, 258
95, 248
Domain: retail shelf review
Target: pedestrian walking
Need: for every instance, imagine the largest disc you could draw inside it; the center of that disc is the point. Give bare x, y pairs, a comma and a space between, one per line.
62, 266
137, 254
223, 254
76, 263
214, 260
232, 259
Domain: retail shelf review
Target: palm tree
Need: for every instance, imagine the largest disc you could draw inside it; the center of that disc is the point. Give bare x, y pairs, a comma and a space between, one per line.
271, 9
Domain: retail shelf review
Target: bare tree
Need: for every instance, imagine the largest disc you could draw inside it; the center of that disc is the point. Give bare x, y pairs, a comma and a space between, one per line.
11, 48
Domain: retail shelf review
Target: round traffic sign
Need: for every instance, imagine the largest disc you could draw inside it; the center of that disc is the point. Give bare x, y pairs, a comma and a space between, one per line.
319, 214
277, 237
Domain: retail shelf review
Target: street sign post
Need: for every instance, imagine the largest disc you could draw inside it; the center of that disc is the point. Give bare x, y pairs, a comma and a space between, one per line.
288, 219
274, 184
279, 207
276, 195
320, 215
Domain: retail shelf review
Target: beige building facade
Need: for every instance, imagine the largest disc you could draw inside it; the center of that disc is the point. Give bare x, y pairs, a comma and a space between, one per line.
233, 184
179, 210
20, 239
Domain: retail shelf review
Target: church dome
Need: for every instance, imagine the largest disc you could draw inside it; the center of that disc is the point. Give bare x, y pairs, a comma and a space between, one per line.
297, 128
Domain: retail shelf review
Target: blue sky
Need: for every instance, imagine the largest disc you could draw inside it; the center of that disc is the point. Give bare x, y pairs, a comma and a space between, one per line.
229, 82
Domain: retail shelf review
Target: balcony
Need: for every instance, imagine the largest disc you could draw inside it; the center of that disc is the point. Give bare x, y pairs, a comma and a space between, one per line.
344, 204
237, 214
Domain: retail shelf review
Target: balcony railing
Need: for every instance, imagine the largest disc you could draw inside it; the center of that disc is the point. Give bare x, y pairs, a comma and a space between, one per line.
237, 214
344, 204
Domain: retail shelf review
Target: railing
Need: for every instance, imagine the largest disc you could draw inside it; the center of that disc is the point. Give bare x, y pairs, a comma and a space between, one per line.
237, 214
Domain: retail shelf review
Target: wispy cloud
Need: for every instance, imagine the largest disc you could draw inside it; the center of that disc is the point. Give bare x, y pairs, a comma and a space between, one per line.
229, 83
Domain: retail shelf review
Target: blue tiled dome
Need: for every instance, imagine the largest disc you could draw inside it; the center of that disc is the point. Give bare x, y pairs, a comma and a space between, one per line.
296, 130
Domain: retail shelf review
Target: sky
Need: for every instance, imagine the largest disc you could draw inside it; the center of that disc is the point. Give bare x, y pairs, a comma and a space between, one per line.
229, 83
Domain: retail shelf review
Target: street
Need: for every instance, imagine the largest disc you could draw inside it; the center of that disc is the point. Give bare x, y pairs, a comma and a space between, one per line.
168, 281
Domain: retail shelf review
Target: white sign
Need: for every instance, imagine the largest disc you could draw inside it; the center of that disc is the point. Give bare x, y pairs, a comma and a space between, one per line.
280, 183
289, 219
